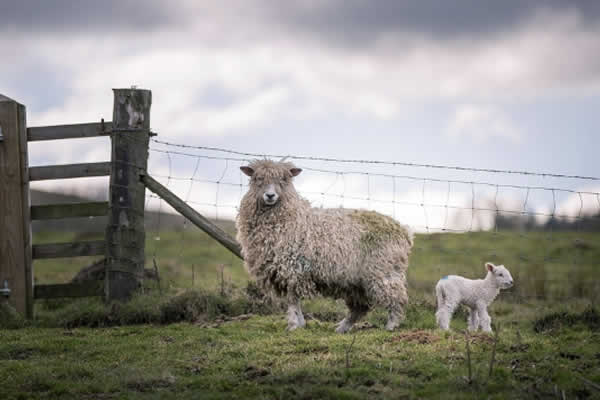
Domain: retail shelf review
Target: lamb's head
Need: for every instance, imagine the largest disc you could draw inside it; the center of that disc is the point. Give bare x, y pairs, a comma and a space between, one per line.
270, 181
500, 275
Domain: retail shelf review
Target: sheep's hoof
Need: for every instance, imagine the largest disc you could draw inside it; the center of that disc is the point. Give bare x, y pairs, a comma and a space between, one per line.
390, 327
343, 327
293, 327
301, 322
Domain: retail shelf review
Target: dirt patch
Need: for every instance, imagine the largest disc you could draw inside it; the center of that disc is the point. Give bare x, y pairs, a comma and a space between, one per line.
220, 321
480, 337
309, 349
363, 326
36, 387
252, 372
149, 385
569, 356
419, 337
19, 353
521, 348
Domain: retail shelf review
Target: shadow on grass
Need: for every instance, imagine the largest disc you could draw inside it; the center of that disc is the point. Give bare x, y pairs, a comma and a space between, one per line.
152, 308
551, 322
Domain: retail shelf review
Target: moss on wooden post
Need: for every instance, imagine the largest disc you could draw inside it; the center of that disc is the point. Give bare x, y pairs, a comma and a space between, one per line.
125, 236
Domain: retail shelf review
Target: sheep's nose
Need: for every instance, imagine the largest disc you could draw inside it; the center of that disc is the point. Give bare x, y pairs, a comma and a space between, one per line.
270, 196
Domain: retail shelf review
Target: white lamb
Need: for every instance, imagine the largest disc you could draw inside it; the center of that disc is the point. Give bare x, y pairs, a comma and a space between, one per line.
477, 294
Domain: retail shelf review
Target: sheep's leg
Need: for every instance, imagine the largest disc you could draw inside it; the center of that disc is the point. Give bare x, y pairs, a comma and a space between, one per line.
395, 298
485, 321
473, 319
353, 316
395, 316
300, 316
294, 316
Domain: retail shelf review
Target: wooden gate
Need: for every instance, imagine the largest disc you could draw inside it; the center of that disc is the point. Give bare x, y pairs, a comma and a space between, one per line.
124, 242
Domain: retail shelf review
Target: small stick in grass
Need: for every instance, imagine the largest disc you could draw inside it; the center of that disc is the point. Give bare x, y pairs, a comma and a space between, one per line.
157, 276
470, 376
592, 384
222, 268
496, 333
349, 350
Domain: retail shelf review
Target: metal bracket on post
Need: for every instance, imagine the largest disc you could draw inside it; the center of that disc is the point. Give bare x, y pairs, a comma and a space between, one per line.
1, 137
5, 290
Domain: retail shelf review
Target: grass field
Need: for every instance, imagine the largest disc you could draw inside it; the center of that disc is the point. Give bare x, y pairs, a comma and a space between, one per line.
212, 337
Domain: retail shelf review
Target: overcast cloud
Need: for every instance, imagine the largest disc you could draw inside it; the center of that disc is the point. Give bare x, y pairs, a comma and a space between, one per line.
508, 85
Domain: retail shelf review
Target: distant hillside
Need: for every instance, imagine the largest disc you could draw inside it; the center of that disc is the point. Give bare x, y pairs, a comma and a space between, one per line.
98, 224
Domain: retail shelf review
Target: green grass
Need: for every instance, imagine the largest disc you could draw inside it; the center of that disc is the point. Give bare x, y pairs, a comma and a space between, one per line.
217, 338
257, 358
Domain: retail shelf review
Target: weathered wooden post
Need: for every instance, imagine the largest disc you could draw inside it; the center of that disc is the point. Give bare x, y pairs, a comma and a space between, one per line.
15, 224
125, 236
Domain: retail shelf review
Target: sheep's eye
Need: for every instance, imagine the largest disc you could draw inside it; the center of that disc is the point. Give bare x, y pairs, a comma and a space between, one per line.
500, 274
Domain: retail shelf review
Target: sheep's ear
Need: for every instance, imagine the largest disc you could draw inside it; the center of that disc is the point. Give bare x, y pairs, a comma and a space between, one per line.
295, 171
247, 170
490, 267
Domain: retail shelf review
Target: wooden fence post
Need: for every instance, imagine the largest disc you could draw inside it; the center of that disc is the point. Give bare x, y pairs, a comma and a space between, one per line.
15, 223
125, 235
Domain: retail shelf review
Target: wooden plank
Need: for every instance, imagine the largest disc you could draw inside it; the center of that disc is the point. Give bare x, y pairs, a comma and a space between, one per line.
125, 235
82, 289
15, 233
69, 171
196, 218
69, 131
58, 211
75, 249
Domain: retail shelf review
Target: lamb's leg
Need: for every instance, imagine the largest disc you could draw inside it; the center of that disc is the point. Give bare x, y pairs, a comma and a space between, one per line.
473, 319
356, 313
444, 314
485, 322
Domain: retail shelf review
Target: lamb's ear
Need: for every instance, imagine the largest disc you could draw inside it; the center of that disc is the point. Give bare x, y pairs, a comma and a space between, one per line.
295, 171
490, 267
247, 170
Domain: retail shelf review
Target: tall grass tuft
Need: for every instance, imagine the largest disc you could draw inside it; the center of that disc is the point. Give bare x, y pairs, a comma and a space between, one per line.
9, 317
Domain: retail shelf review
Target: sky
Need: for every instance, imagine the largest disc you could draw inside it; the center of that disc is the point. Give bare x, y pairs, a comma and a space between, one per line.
511, 85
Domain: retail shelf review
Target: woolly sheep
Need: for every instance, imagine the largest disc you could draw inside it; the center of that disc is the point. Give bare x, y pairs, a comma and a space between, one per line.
476, 294
298, 251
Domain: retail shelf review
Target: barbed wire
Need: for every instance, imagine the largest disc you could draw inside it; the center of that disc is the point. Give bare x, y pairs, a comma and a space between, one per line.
374, 174
361, 161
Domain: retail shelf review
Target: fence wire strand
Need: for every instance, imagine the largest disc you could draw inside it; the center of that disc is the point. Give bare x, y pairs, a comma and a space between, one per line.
476, 199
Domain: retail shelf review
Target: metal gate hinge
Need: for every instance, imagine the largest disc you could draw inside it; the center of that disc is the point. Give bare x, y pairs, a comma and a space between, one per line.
5, 291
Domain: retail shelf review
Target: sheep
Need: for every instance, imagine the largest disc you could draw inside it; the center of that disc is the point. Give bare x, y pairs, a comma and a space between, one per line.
476, 294
297, 251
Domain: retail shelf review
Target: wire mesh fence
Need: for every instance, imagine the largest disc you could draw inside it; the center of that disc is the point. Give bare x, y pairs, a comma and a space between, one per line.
543, 226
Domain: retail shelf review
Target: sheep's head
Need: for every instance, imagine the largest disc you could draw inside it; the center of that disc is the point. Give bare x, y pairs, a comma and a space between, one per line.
500, 274
270, 180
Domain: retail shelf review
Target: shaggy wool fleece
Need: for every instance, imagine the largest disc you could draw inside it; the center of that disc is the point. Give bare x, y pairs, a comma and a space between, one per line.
298, 251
